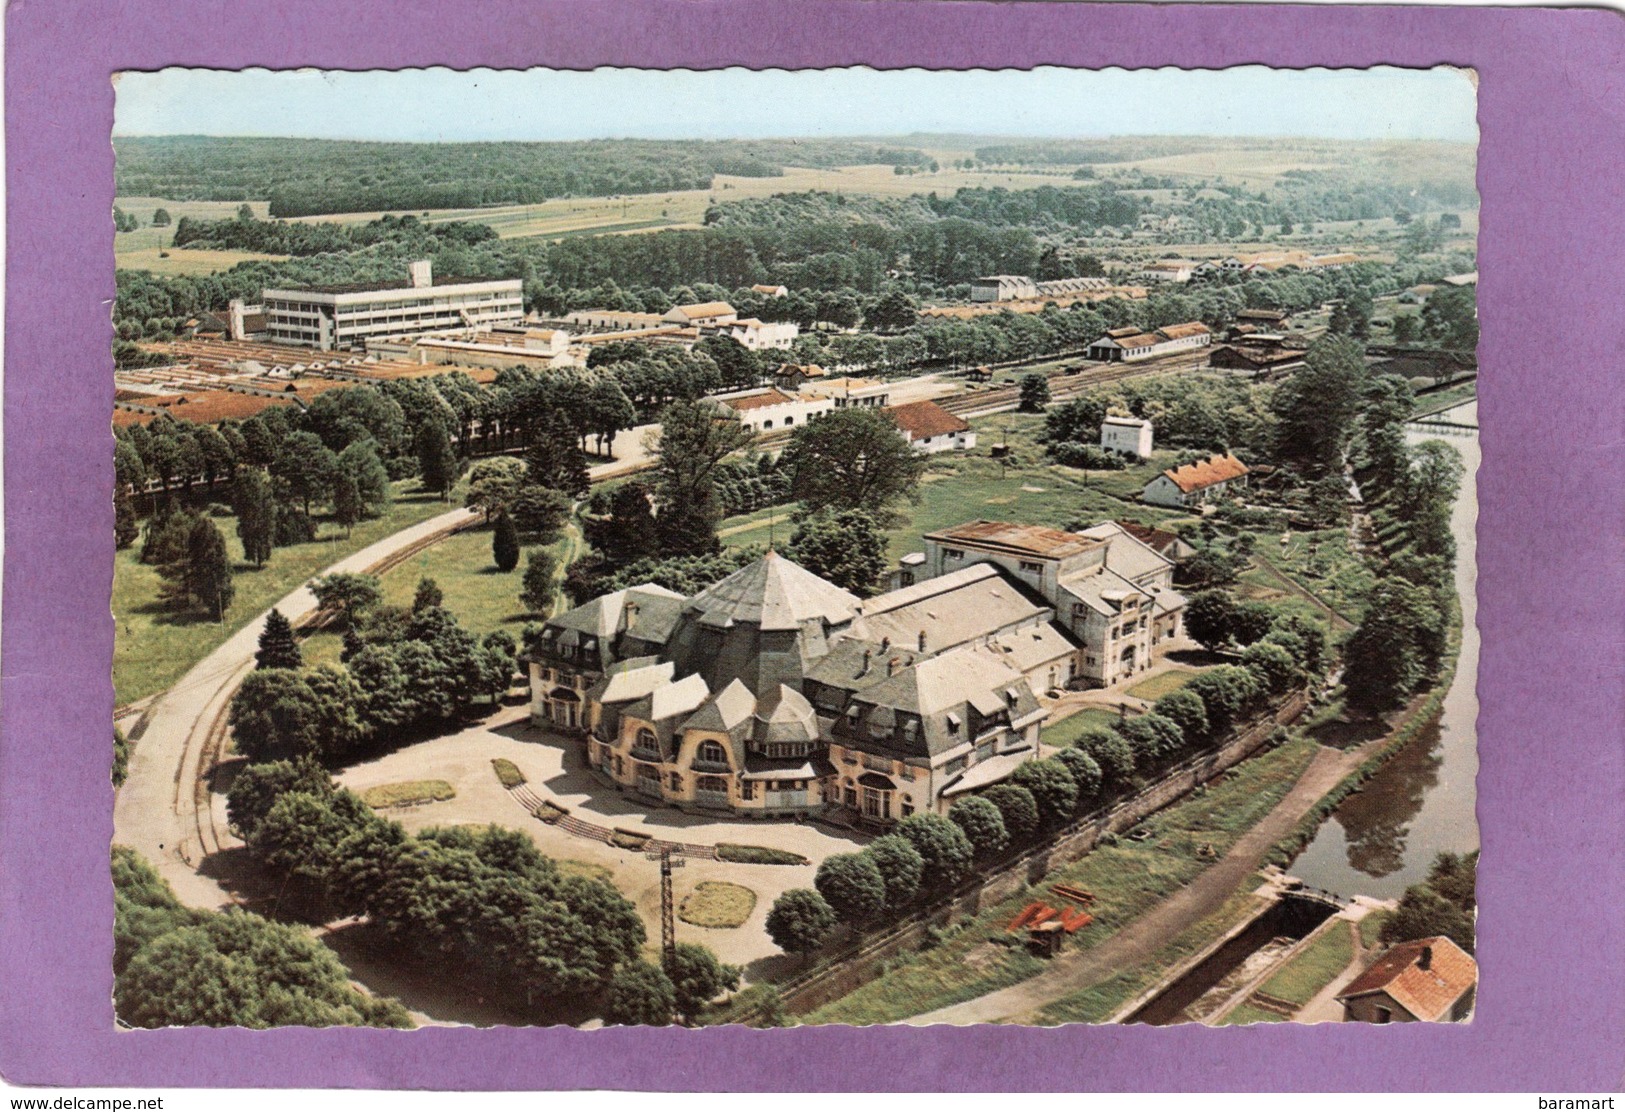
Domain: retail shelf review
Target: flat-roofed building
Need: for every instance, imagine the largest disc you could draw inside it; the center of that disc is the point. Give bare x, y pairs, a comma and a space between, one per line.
855, 393
1129, 436
346, 316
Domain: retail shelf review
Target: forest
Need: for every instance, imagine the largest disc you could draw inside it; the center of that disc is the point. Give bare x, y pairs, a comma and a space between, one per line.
309, 177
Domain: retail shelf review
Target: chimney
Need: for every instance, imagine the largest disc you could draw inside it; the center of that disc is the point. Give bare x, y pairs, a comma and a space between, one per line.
891, 666
1426, 960
422, 274
922, 640
864, 671
885, 643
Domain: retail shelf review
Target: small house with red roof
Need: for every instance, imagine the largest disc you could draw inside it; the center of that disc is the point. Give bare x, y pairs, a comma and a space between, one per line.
1429, 980
930, 428
1195, 483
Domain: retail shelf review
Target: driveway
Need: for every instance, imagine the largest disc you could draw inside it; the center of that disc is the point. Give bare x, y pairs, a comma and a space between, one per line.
158, 812
554, 770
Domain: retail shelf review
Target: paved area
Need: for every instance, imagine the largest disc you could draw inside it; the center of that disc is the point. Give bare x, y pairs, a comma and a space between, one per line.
157, 811
554, 770
1141, 940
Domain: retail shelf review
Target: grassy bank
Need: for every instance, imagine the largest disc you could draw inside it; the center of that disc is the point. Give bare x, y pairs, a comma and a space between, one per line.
1128, 879
154, 645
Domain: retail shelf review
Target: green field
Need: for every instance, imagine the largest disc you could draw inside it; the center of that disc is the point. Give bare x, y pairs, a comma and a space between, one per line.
138, 250
1128, 879
153, 646
1164, 683
1314, 967
483, 598
1069, 729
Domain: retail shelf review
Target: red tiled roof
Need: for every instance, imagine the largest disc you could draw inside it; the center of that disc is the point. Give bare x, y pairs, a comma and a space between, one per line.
923, 420
1204, 473
758, 401
1429, 993
705, 309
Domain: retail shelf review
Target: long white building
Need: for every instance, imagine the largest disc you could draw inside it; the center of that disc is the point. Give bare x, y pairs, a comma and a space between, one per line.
332, 317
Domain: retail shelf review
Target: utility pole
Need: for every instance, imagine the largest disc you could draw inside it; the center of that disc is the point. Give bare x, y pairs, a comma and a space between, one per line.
668, 911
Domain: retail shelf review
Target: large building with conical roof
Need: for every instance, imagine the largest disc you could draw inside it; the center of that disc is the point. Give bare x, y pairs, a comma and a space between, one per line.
775, 692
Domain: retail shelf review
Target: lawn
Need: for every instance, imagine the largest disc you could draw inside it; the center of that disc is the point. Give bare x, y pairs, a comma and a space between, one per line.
1245, 1013
717, 904
1314, 967
1069, 729
407, 793
483, 598
1370, 927
1100, 1002
1164, 683
1321, 562
153, 646
1128, 879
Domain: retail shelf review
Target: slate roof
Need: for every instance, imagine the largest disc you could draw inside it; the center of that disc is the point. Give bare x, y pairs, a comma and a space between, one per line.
1428, 994
950, 609
774, 594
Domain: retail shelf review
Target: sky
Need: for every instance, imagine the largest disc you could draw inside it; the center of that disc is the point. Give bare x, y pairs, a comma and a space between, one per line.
452, 106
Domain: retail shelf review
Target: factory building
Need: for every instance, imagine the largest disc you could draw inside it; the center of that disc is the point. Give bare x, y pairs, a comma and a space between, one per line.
346, 316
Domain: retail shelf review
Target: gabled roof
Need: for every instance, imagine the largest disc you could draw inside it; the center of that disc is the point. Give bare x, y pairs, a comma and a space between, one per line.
631, 679
923, 420
1427, 993
671, 700
729, 709
1182, 331
1204, 473
772, 593
704, 309
759, 400
784, 715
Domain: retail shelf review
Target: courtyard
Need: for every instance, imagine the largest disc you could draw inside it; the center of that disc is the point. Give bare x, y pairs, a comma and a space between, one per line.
555, 772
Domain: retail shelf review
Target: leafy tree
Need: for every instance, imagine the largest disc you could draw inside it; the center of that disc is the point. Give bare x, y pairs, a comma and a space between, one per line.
640, 995
1112, 753
238, 970
160, 218
1052, 786
1210, 618
144, 907
1304, 638
493, 484
1034, 393
505, 543
126, 526
1394, 649
852, 886
846, 547
437, 462
1450, 318
1152, 735
1406, 328
1017, 808
277, 647
245, 213
121, 757
893, 311
852, 459
1443, 904
348, 508
359, 460
1315, 409
256, 515
799, 921
1226, 692
537, 589
1185, 709
982, 823
428, 594
697, 978
255, 790
1272, 664
627, 532
1085, 773
737, 365
694, 439
946, 852
347, 595
292, 525
554, 458
273, 715
901, 867
203, 574
539, 513
305, 468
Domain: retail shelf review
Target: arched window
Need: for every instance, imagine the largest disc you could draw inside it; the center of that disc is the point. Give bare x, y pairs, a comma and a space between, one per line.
767, 424
646, 740
711, 752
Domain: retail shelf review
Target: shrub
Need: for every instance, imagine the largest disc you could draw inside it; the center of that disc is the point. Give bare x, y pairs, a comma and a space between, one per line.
982, 824
1153, 735
1085, 773
757, 855
946, 850
1112, 753
852, 886
639, 995
1052, 786
1017, 807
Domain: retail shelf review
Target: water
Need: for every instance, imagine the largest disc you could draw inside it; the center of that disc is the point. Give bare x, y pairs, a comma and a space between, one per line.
1422, 802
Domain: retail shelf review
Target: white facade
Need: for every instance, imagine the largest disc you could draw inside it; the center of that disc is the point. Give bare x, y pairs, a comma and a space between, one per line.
1167, 272
1003, 287
773, 409
1128, 345
944, 442
760, 335
346, 317
1129, 436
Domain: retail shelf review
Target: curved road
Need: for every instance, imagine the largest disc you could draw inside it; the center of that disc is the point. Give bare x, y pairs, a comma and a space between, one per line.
160, 811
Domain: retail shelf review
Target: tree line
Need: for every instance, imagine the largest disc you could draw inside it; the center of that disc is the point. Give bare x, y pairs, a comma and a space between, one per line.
926, 856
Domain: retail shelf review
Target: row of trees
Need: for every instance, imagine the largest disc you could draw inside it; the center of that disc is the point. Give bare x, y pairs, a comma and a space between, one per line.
928, 855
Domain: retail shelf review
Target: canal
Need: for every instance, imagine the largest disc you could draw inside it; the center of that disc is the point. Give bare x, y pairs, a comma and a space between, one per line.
1384, 836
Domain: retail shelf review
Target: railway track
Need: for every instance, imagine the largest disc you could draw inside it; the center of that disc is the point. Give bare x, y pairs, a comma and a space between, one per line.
1065, 385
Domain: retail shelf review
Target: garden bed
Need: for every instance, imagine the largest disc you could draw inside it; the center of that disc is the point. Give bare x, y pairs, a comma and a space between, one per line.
717, 904
408, 793
507, 772
758, 855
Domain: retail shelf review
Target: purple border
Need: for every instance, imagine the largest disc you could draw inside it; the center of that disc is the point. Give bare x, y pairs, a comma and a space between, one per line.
1550, 1015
